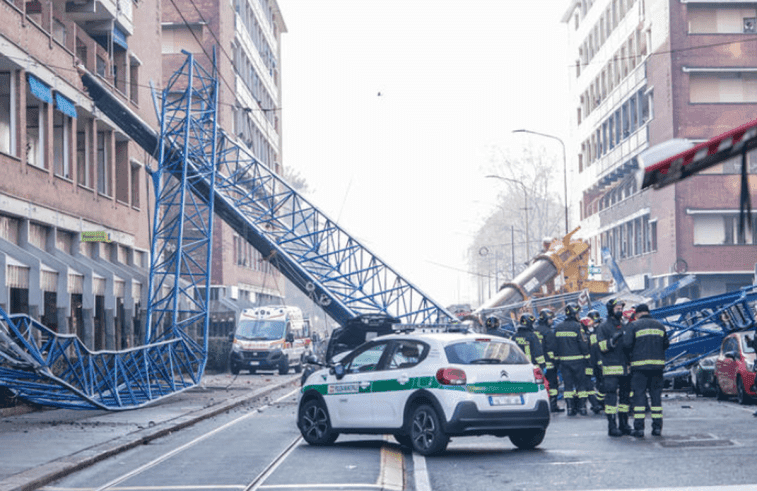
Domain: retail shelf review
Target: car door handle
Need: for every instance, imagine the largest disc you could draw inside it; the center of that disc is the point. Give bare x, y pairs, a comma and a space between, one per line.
403, 378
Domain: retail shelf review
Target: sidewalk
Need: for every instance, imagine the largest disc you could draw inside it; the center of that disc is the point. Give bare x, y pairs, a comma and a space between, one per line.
41, 446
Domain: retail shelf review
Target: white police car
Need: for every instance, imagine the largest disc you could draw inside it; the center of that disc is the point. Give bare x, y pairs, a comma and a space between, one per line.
424, 387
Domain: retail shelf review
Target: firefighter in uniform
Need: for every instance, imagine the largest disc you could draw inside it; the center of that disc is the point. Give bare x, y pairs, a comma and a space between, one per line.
570, 351
646, 341
546, 334
615, 374
593, 370
526, 339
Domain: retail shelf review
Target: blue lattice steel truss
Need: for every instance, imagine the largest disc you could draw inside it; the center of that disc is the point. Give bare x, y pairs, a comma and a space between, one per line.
202, 172
48, 368
697, 328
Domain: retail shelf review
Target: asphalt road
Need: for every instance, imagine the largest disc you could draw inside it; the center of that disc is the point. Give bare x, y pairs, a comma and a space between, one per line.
707, 445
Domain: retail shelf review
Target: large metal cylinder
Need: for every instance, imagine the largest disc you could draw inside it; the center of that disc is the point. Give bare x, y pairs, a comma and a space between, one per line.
524, 285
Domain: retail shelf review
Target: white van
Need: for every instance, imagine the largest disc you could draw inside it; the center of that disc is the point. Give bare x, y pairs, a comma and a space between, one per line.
270, 338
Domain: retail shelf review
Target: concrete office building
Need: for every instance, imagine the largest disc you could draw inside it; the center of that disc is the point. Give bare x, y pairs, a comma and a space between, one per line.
75, 197
645, 72
246, 36
67, 170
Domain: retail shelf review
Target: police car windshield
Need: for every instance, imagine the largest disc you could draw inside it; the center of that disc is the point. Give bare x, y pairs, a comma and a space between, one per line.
260, 330
485, 352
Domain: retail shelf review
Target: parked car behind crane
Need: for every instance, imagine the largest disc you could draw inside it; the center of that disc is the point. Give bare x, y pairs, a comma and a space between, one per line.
734, 368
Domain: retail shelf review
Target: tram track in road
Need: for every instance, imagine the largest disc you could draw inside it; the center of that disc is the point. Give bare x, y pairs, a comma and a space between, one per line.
111, 485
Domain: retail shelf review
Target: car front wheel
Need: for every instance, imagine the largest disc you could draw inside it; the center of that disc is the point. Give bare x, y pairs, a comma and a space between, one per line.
527, 439
426, 434
315, 425
741, 395
721, 396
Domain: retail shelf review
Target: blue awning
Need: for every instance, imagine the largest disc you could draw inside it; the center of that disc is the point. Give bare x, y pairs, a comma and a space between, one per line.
64, 105
39, 89
119, 38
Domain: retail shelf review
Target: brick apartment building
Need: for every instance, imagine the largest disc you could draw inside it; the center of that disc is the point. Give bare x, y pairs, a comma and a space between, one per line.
645, 72
69, 173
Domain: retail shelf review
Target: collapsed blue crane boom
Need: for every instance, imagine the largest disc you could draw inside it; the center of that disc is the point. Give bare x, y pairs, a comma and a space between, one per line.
202, 173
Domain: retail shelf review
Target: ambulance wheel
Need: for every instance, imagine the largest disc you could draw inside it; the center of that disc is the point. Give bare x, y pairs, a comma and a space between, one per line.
284, 366
298, 367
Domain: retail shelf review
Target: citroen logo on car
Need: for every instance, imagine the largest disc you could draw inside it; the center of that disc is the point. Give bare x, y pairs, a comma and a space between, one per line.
504, 374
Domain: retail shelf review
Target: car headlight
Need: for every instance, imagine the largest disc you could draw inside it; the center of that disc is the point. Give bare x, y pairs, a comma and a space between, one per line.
750, 365
235, 348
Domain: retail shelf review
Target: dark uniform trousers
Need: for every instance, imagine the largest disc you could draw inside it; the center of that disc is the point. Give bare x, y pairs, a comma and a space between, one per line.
574, 378
641, 381
617, 389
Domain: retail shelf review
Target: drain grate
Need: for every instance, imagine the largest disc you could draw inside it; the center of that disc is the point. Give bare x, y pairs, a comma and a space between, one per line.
695, 443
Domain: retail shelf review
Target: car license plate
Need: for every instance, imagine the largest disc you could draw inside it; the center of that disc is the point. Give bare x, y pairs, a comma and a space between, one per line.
254, 363
506, 400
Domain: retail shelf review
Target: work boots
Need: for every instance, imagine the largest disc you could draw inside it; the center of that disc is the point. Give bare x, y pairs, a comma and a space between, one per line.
572, 409
612, 426
582, 406
596, 407
553, 407
625, 429
657, 427
638, 428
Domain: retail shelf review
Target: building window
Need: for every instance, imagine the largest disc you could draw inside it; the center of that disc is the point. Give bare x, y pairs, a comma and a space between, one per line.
36, 116
136, 173
61, 144
722, 87
8, 113
134, 81
123, 171
721, 20
653, 236
83, 159
103, 163
720, 229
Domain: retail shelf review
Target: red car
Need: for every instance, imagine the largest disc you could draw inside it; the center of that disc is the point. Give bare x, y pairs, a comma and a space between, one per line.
734, 368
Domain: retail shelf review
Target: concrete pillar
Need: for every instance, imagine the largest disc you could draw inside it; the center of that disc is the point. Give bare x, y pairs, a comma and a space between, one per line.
110, 329
127, 328
89, 327
61, 315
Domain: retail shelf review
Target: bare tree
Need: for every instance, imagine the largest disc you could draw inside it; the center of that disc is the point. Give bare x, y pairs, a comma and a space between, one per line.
528, 209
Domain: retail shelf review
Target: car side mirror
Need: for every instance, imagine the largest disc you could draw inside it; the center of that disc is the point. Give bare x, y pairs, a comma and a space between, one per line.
290, 337
730, 354
312, 360
339, 371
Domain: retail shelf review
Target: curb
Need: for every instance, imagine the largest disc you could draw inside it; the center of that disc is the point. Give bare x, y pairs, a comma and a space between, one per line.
32, 479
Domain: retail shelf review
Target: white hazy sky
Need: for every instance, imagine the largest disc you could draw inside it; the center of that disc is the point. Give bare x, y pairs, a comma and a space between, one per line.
403, 172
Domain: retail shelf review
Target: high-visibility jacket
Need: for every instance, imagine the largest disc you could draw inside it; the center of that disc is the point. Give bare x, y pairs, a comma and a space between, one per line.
547, 337
614, 359
595, 356
529, 343
646, 341
571, 345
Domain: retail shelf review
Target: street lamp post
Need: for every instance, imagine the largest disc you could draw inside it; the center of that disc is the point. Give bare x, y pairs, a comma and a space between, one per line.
525, 196
564, 166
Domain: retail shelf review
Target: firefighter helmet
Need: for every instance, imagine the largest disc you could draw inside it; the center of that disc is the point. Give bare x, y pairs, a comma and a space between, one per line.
612, 303
546, 314
492, 323
594, 315
572, 310
527, 320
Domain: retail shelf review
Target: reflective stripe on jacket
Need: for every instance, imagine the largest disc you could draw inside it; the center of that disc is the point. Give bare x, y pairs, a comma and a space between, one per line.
613, 358
646, 340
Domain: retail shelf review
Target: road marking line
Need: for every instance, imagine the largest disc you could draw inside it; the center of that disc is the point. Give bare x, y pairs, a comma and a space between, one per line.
732, 487
180, 449
422, 482
391, 471
320, 486
258, 481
